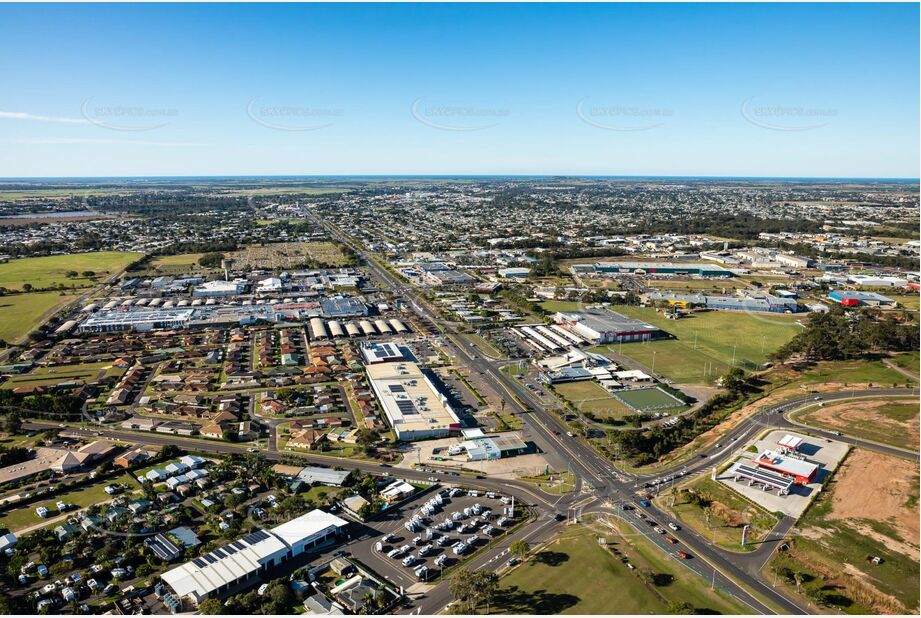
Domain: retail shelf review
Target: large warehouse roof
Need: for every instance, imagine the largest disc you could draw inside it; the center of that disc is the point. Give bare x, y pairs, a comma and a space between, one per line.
244, 557
225, 565
411, 402
300, 528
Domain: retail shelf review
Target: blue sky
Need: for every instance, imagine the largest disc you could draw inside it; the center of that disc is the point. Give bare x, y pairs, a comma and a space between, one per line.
649, 89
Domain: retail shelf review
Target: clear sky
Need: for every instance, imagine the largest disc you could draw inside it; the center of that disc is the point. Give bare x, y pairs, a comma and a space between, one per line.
826, 90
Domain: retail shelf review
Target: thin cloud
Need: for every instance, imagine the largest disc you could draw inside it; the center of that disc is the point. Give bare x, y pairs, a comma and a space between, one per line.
40, 118
66, 141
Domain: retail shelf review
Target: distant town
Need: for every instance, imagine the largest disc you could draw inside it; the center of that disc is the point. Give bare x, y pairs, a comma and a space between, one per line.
459, 395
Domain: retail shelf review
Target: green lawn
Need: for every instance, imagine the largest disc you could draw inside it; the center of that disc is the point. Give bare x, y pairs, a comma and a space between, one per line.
576, 575
44, 272
561, 305
673, 359
589, 396
83, 497
852, 372
909, 361
719, 335
728, 511
20, 314
514, 370
552, 483
47, 376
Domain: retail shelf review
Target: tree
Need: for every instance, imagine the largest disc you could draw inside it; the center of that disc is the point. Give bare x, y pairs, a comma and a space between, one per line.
734, 381
488, 585
211, 607
470, 588
211, 260
463, 589
13, 423
26, 287
680, 607
519, 549
366, 439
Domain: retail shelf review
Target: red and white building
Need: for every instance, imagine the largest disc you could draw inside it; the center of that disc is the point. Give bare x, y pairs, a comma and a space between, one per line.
802, 472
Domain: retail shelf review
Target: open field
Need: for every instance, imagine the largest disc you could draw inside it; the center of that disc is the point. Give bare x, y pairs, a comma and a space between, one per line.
728, 512
85, 496
21, 313
588, 396
51, 271
869, 508
561, 305
47, 376
752, 337
45, 193
851, 373
289, 255
909, 361
674, 359
911, 302
574, 574
889, 421
186, 260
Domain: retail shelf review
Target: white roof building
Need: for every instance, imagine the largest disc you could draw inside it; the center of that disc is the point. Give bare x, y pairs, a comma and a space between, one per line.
414, 406
232, 565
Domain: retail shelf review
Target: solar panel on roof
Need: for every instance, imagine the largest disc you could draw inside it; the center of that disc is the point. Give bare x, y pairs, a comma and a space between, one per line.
219, 553
199, 563
229, 549
238, 545
397, 388
211, 559
255, 537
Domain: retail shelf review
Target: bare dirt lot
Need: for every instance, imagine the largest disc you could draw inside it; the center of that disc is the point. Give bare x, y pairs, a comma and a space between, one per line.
890, 421
876, 487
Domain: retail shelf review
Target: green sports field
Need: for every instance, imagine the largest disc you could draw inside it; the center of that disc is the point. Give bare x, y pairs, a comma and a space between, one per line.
589, 396
706, 343
51, 271
649, 399
21, 313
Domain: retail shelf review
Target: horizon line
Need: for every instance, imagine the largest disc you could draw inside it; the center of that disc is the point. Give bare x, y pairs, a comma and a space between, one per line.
466, 175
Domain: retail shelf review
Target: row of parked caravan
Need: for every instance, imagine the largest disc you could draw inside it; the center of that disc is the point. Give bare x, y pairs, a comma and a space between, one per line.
325, 329
431, 533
